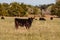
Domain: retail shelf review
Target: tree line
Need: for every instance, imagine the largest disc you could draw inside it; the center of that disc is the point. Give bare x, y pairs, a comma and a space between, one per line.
55, 10
21, 9
17, 9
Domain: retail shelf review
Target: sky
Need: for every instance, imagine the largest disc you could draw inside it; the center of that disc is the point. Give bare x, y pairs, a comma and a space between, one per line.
31, 2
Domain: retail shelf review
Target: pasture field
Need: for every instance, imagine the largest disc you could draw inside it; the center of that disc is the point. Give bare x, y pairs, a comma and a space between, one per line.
40, 30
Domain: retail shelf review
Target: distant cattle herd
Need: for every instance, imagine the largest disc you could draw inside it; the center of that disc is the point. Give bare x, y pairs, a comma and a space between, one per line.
25, 22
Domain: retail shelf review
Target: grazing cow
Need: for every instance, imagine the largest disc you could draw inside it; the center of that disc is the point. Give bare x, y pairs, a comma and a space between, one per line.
23, 22
2, 17
51, 18
43, 19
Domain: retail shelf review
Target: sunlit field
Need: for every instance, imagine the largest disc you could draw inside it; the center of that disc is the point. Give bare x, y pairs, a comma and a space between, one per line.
40, 30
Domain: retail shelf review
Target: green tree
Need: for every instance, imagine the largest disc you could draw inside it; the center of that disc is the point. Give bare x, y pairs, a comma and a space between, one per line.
5, 9
0, 9
56, 9
14, 9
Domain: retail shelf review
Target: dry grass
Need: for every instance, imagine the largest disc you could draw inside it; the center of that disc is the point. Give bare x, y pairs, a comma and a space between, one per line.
40, 30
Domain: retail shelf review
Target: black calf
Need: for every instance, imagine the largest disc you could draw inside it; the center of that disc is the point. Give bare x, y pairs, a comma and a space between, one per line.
43, 19
51, 18
2, 17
